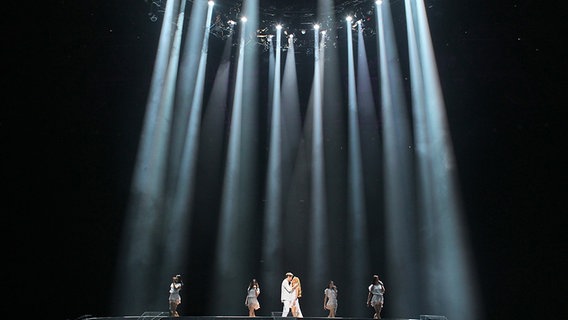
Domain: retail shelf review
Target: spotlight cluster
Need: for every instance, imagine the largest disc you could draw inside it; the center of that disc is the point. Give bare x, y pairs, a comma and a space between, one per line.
296, 18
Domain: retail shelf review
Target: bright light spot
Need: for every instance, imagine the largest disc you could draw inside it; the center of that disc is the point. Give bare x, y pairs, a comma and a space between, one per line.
349, 18
278, 27
211, 3
316, 26
244, 19
379, 2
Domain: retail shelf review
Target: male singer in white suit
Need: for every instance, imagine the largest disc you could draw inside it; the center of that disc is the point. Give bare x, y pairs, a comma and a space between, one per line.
286, 294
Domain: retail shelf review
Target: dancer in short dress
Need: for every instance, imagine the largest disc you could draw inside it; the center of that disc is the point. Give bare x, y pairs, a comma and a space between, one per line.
375, 298
175, 298
251, 300
330, 299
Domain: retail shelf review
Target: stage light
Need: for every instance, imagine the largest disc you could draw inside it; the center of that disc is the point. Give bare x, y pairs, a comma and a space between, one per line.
316, 26
244, 19
379, 2
267, 18
349, 18
278, 27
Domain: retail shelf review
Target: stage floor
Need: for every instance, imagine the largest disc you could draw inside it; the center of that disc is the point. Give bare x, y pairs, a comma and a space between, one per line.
164, 315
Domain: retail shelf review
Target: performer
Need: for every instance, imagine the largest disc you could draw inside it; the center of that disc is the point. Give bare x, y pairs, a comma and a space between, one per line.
175, 298
296, 294
251, 300
375, 297
287, 294
330, 299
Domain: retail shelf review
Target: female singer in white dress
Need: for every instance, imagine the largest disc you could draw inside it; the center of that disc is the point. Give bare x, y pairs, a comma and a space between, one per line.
297, 293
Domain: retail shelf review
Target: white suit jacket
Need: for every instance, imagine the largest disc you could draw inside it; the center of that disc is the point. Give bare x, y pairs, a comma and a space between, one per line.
286, 293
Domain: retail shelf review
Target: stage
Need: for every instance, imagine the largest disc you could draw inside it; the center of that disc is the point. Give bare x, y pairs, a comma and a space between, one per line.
149, 315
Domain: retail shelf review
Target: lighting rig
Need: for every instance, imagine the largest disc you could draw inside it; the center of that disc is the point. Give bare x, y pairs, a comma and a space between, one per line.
297, 20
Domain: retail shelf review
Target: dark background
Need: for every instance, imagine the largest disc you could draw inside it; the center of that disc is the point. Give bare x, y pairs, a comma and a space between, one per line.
76, 83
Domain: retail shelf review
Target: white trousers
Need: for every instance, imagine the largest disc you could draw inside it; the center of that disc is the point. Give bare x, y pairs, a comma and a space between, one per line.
286, 305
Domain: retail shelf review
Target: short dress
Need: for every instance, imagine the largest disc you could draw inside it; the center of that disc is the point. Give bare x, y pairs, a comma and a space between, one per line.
252, 300
174, 293
377, 292
331, 298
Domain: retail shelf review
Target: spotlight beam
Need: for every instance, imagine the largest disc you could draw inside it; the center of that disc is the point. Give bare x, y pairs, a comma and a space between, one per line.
272, 237
228, 220
398, 170
447, 268
178, 219
186, 84
140, 245
318, 251
358, 267
237, 228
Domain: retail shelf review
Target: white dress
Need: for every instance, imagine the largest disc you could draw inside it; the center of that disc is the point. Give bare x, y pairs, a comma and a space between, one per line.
174, 293
296, 304
377, 291
331, 298
252, 300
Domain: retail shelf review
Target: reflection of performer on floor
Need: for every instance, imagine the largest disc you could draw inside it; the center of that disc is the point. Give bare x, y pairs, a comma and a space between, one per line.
296, 295
286, 294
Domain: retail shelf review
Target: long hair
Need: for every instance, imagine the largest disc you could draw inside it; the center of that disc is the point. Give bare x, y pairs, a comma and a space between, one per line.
331, 285
294, 280
252, 283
